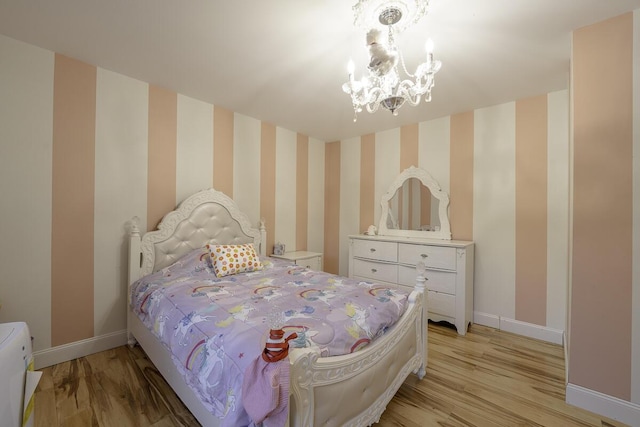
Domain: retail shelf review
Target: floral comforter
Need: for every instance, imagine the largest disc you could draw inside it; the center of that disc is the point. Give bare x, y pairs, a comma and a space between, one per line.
215, 327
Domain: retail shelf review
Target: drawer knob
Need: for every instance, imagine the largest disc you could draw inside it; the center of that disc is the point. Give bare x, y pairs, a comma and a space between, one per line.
372, 249
424, 256
373, 270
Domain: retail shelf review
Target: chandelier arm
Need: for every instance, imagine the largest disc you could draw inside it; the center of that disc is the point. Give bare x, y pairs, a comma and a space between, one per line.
406, 90
376, 95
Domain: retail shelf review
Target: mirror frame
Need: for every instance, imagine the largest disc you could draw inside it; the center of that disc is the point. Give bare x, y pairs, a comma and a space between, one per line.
443, 209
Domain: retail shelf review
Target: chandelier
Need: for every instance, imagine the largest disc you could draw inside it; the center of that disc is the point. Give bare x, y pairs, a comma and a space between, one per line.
383, 83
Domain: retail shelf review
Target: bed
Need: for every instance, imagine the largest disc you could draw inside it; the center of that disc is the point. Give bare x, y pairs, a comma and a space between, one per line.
369, 377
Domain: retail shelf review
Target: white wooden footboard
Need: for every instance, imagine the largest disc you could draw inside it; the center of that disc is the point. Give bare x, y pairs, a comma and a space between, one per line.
367, 380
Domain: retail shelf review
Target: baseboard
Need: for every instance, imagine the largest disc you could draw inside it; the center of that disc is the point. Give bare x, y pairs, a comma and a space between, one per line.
530, 330
603, 404
486, 319
66, 352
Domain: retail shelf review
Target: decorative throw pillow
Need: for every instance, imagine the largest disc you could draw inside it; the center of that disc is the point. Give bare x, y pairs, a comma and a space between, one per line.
233, 259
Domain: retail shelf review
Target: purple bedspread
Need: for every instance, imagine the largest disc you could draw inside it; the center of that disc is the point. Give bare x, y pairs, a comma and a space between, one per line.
214, 327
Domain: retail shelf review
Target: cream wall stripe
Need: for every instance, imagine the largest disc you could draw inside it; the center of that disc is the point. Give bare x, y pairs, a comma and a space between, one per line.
332, 207
434, 156
223, 142
434, 150
461, 175
409, 157
285, 187
194, 150
161, 184
315, 229
26, 128
268, 181
531, 210
387, 148
302, 191
120, 190
246, 167
367, 181
349, 194
73, 178
557, 209
494, 210
635, 328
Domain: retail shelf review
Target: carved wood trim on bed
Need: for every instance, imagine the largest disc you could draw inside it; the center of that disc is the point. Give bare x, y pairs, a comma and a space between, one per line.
208, 216
370, 377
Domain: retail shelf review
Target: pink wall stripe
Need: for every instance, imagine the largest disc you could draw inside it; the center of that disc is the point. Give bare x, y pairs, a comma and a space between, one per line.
601, 297
268, 181
163, 134
302, 191
73, 179
367, 181
531, 210
461, 176
408, 146
223, 150
332, 207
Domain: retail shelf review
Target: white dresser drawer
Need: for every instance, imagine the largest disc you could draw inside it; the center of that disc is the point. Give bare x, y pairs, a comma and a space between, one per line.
375, 271
442, 304
381, 251
441, 281
433, 256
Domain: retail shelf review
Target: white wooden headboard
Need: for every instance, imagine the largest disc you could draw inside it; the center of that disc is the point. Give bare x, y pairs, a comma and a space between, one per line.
208, 216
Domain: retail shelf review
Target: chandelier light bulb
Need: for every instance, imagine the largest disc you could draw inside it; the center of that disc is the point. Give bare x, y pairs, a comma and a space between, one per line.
429, 46
351, 67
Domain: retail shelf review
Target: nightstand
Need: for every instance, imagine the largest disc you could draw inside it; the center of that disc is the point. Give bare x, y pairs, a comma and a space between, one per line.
310, 260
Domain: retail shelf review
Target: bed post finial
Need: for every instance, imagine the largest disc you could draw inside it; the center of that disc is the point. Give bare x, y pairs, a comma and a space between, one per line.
134, 228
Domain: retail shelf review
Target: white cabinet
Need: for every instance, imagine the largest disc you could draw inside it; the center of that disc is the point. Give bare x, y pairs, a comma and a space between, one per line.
310, 260
449, 273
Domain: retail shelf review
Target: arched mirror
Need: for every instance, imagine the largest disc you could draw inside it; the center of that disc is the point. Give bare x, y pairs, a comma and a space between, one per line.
415, 206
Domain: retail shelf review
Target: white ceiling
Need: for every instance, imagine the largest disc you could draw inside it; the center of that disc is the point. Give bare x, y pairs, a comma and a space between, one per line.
284, 61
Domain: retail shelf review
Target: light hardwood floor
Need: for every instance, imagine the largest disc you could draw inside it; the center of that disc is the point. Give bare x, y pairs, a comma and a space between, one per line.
486, 378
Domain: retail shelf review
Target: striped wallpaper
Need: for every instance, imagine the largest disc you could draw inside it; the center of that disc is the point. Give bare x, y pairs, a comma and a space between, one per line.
494, 163
84, 149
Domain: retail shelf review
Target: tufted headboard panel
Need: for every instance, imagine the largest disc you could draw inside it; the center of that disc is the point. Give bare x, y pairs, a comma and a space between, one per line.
205, 217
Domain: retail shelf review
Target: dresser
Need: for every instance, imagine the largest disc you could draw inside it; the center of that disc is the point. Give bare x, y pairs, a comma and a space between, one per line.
449, 271
310, 260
